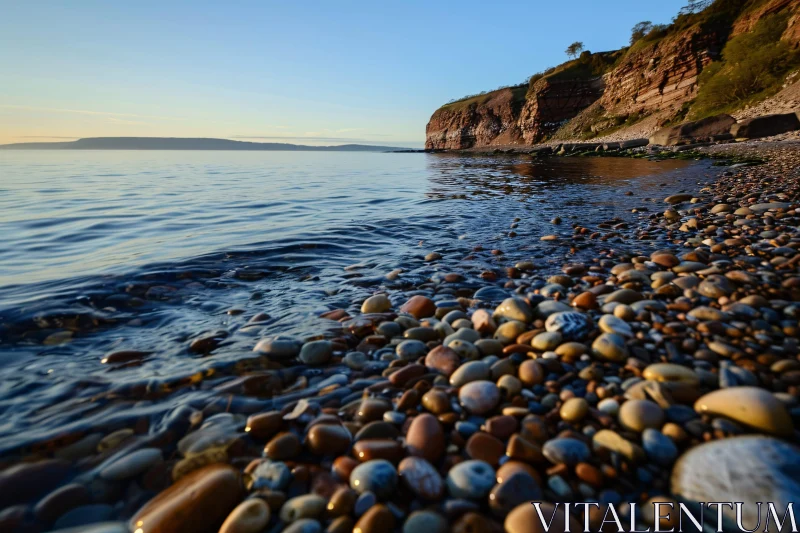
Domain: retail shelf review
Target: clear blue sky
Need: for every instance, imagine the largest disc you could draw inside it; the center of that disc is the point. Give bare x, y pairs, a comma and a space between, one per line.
313, 72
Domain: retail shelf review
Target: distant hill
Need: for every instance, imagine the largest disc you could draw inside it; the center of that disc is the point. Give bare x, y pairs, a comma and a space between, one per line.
173, 143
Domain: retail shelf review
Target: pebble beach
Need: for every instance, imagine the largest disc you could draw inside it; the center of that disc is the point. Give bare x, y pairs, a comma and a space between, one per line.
624, 375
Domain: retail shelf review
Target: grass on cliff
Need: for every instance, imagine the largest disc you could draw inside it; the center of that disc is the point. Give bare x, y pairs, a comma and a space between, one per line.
752, 68
517, 95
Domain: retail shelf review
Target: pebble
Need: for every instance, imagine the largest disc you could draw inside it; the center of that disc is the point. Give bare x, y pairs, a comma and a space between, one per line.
283, 446
376, 304
419, 307
518, 488
514, 309
571, 325
316, 352
659, 448
328, 439
472, 480
637, 415
421, 478
479, 397
671, 373
566, 451
470, 371
377, 476
273, 475
250, 516
752, 406
741, 469
425, 521
610, 347
305, 506
131, 465
443, 360
425, 437
197, 503
612, 324
574, 409
279, 348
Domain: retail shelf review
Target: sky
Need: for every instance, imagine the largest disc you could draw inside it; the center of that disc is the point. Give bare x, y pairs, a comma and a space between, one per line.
306, 72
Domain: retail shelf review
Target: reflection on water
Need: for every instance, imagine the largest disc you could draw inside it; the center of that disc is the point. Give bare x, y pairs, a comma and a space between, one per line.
148, 251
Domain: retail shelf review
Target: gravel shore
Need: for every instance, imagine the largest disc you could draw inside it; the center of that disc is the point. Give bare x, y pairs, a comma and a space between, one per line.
629, 379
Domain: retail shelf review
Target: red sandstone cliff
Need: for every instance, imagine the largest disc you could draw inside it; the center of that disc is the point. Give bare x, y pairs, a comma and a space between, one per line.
650, 79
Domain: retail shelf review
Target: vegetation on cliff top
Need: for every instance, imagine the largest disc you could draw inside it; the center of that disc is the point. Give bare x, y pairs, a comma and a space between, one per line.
752, 68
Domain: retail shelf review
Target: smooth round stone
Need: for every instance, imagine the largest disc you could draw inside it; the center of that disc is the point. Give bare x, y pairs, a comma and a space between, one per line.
659, 448
485, 447
425, 437
279, 348
612, 324
304, 525
637, 415
273, 475
421, 477
328, 439
61, 500
472, 480
464, 334
572, 349
250, 516
531, 372
198, 502
610, 347
389, 329
377, 519
283, 446
668, 372
572, 326
305, 506
316, 352
752, 406
548, 307
605, 438
508, 332
377, 476
574, 409
84, 515
518, 488
131, 465
624, 296
378, 303
411, 349
426, 522
525, 519
465, 350
479, 397
609, 406
565, 451
514, 309
745, 469
364, 502
419, 307
443, 360
355, 360
468, 372
546, 341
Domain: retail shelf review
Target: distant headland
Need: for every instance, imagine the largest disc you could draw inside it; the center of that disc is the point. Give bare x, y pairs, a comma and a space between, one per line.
177, 143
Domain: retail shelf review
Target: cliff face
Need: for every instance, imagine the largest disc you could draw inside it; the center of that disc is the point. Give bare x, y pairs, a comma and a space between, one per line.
651, 79
487, 120
551, 102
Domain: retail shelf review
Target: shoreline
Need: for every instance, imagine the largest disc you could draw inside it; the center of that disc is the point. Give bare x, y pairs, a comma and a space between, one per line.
599, 383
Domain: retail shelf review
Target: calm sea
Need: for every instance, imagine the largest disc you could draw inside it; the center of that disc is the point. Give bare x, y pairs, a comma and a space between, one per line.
105, 250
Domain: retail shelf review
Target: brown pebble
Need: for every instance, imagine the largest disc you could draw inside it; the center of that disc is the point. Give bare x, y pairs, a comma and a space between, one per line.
419, 307
328, 439
342, 502
283, 446
197, 503
443, 359
369, 449
264, 426
378, 519
485, 447
425, 437
531, 372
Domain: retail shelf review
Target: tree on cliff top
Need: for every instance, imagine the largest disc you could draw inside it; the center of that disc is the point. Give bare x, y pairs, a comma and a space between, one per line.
574, 49
695, 6
640, 30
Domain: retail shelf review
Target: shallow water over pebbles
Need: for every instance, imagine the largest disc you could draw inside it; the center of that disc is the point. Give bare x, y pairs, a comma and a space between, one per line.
105, 252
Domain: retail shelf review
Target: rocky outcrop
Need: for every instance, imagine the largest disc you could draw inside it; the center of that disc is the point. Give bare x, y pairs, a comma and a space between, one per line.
765, 126
650, 82
486, 120
549, 103
698, 131
659, 75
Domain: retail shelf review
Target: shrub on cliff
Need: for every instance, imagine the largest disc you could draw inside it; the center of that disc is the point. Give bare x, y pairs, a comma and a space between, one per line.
752, 68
